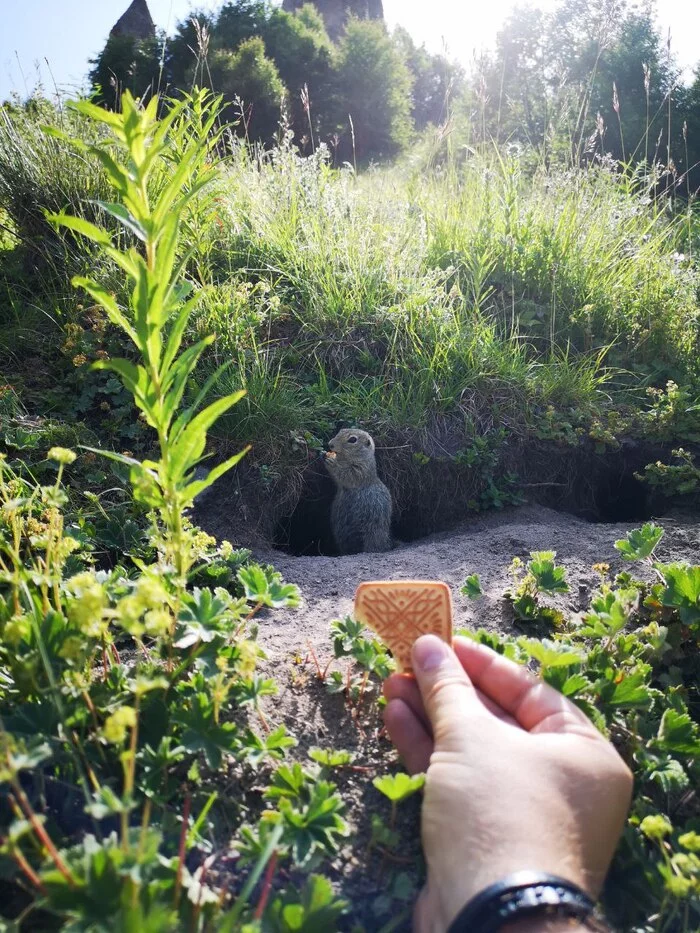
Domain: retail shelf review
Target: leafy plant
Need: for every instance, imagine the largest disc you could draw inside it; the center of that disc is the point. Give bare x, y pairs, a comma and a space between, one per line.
640, 543
631, 663
472, 587
541, 575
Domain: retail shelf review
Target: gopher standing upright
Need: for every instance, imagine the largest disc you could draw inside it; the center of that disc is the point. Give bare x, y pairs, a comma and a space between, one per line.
361, 511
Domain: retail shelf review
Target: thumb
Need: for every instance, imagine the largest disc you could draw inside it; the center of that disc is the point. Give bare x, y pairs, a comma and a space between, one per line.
448, 694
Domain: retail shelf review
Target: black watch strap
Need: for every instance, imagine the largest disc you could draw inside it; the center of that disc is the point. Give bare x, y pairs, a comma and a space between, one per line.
519, 896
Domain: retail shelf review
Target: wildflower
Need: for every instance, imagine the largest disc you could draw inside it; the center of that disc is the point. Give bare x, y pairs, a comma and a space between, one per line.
79, 359
61, 455
678, 886
157, 622
105, 406
16, 629
72, 648
686, 864
116, 725
247, 657
690, 841
67, 545
86, 609
656, 827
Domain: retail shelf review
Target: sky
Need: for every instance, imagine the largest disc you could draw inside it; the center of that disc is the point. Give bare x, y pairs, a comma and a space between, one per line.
66, 33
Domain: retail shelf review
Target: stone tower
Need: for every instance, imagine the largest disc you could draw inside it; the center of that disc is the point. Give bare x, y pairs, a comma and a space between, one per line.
335, 12
136, 23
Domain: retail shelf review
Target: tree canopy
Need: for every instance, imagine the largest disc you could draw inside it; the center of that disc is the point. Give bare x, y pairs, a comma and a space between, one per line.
591, 79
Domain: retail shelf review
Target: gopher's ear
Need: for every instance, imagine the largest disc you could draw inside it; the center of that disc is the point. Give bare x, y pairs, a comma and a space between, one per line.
368, 443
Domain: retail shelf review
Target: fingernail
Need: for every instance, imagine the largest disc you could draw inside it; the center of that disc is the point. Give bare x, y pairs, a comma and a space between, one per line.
429, 652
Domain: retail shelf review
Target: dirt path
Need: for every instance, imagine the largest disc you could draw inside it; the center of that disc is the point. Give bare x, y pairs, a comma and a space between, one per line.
485, 545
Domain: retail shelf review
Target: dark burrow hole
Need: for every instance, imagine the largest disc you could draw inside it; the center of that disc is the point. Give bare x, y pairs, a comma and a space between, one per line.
599, 490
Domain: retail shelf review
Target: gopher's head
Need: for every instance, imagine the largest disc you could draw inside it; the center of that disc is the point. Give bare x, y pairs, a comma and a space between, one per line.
350, 457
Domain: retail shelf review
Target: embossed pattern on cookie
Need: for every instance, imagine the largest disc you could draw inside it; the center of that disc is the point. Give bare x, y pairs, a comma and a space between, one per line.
400, 611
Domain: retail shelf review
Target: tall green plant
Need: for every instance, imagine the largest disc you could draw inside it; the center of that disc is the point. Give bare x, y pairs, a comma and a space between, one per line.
161, 301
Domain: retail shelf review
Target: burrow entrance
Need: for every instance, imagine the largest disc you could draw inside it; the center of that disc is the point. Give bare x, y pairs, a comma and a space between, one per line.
436, 496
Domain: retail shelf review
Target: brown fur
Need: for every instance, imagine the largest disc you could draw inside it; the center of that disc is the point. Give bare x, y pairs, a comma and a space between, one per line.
361, 510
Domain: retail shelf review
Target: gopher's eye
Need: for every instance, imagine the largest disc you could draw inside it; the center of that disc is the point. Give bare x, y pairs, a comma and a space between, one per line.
352, 439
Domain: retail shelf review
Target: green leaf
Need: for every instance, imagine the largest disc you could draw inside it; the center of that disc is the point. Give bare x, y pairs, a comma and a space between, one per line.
316, 910
670, 776
81, 226
202, 733
288, 781
678, 733
257, 748
175, 382
549, 577
472, 587
398, 787
640, 542
254, 582
190, 445
574, 684
609, 614
627, 691
331, 757
111, 455
108, 302
192, 490
682, 590
551, 653
125, 218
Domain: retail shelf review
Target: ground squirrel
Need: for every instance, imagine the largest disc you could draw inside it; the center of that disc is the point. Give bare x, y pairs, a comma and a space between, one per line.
361, 510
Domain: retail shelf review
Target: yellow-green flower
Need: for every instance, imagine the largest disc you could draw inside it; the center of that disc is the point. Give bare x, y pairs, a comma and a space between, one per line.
16, 629
61, 455
678, 886
690, 841
157, 622
116, 726
72, 648
656, 827
86, 609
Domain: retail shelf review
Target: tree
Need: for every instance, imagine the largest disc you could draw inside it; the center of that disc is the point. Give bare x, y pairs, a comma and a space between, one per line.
632, 72
688, 146
514, 91
126, 63
186, 52
299, 45
436, 81
374, 88
239, 20
248, 76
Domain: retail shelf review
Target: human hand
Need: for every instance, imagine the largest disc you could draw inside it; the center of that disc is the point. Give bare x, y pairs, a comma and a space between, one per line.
517, 776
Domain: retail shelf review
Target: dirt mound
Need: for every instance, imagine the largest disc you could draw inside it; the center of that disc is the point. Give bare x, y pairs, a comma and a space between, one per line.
485, 545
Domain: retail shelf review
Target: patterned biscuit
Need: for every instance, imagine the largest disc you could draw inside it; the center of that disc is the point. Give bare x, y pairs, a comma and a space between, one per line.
399, 611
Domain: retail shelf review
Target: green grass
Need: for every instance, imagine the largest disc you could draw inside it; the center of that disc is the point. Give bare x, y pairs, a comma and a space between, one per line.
471, 296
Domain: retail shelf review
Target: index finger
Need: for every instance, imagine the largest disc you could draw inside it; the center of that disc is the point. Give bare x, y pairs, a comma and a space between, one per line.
534, 705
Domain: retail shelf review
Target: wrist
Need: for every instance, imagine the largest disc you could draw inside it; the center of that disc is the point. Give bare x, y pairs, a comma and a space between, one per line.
544, 925
526, 902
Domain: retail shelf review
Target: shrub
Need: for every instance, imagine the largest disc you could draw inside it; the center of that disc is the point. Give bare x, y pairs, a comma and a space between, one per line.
251, 85
374, 91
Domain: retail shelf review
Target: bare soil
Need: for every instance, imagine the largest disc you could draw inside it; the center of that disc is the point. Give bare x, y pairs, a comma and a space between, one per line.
485, 545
